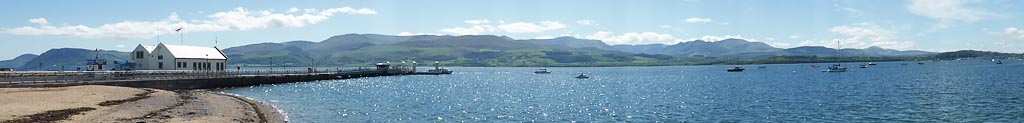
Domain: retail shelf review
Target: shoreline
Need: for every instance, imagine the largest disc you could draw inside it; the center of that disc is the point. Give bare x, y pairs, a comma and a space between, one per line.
94, 103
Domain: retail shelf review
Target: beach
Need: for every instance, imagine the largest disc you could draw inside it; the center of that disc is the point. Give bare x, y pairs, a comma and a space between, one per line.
92, 103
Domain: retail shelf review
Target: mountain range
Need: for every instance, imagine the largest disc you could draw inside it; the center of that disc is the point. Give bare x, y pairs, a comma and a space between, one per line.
474, 50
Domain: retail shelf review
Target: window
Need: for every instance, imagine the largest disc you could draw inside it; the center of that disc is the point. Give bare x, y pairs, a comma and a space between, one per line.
160, 65
161, 57
138, 55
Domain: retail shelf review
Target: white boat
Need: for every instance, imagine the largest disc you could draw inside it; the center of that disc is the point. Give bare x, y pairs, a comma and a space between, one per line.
542, 71
836, 67
735, 69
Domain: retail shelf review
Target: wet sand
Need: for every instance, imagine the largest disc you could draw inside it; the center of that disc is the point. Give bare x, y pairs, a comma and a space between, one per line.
122, 104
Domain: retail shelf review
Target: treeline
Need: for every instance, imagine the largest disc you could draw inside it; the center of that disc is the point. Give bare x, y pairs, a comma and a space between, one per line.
975, 54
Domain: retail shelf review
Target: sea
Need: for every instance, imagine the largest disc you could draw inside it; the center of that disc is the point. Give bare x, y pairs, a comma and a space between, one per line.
933, 91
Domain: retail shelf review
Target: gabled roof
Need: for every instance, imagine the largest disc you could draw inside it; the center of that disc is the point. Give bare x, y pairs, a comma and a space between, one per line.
194, 52
149, 49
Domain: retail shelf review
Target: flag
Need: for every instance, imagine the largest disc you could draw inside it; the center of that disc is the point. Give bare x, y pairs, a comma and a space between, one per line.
178, 30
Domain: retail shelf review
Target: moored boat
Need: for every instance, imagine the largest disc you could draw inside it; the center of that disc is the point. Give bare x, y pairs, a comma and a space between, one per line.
735, 69
542, 71
582, 76
838, 66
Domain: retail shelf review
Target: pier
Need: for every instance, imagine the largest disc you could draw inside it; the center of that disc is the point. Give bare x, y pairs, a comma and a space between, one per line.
385, 69
201, 79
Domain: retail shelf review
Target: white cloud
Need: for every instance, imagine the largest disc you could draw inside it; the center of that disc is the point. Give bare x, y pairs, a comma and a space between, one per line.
632, 38
769, 39
780, 44
173, 17
238, 19
586, 22
697, 20
545, 37
1011, 33
794, 36
521, 27
40, 21
863, 35
665, 26
415, 34
1014, 32
482, 26
713, 38
948, 10
636, 38
474, 30
483, 21
120, 46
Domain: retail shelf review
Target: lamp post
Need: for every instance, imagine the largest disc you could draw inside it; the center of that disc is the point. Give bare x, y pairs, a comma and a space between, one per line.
271, 63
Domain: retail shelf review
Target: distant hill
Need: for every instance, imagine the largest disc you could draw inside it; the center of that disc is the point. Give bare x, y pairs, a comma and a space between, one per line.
640, 49
717, 48
572, 42
890, 52
471, 50
485, 50
70, 58
264, 53
368, 48
17, 62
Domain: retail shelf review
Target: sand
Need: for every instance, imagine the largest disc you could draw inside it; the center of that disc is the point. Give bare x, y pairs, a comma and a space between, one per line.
92, 103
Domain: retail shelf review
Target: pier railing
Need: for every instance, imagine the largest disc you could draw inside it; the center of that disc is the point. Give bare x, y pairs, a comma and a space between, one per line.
9, 77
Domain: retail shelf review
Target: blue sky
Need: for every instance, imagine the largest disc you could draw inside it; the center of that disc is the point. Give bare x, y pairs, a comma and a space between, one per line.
34, 26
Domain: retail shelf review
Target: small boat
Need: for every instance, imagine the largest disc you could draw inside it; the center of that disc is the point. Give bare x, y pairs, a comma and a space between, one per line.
835, 68
735, 69
863, 66
920, 62
542, 71
999, 62
582, 76
872, 63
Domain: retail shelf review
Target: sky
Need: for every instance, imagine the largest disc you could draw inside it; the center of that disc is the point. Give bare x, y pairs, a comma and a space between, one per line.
34, 26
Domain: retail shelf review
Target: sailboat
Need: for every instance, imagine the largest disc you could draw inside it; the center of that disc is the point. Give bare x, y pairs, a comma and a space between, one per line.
836, 67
